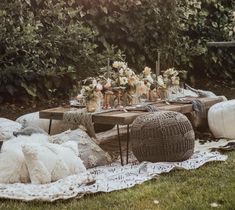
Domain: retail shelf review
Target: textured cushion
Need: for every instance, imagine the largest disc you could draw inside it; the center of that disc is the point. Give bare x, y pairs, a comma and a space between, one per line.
221, 119
50, 162
162, 136
32, 119
12, 162
7, 127
91, 154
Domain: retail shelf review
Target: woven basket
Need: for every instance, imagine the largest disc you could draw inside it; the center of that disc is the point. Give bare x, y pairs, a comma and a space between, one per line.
162, 136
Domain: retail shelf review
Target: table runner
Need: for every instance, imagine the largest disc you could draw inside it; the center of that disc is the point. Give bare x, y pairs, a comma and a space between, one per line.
84, 118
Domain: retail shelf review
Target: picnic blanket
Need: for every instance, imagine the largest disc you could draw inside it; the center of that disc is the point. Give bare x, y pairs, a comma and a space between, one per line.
109, 178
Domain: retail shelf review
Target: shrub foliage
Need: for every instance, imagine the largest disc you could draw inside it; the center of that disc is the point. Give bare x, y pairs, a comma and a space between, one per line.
48, 45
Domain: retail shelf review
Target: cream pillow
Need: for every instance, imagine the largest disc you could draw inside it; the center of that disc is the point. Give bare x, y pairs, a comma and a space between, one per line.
50, 162
91, 153
13, 168
7, 127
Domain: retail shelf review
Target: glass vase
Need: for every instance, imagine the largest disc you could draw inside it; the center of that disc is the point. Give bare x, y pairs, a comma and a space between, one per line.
93, 105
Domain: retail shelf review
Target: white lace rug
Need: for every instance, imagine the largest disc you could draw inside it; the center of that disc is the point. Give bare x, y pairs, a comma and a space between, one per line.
106, 178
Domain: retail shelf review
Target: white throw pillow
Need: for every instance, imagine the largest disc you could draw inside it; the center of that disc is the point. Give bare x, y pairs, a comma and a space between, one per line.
50, 162
91, 153
7, 127
32, 119
13, 168
221, 119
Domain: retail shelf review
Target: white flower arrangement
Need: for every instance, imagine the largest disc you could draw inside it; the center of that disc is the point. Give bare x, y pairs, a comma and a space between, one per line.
119, 65
147, 71
91, 91
169, 78
124, 78
147, 76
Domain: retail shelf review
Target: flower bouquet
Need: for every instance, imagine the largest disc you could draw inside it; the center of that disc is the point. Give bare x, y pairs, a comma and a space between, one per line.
146, 78
169, 82
124, 82
91, 92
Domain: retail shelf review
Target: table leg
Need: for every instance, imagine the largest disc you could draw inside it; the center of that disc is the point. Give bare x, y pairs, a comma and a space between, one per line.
50, 123
120, 146
127, 143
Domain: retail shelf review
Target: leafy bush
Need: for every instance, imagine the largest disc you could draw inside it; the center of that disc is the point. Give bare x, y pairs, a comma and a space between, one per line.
200, 22
48, 45
139, 28
45, 48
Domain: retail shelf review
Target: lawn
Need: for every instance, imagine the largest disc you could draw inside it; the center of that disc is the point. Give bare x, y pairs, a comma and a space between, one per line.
179, 190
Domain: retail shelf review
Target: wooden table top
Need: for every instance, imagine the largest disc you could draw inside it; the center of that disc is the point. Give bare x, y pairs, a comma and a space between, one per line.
124, 118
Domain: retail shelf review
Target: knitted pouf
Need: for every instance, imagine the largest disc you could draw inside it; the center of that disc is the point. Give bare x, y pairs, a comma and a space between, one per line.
162, 136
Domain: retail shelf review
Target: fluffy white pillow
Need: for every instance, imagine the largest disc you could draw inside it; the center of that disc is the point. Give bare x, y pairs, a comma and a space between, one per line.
32, 119
7, 127
13, 168
91, 154
50, 162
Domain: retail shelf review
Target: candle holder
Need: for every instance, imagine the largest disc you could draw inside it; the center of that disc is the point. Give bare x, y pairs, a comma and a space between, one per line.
119, 91
107, 97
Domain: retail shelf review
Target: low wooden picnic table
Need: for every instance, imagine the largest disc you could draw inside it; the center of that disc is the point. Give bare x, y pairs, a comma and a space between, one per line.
123, 117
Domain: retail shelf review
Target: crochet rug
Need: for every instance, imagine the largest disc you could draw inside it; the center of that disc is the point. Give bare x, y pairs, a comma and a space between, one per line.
108, 178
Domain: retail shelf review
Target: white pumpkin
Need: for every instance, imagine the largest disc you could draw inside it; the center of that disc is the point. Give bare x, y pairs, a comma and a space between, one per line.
221, 119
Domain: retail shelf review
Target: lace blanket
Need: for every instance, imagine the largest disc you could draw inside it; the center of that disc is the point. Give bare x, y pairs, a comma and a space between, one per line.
107, 178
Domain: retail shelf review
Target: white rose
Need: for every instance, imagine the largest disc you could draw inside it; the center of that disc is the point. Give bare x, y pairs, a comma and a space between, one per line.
175, 80
123, 80
119, 64
150, 79
147, 71
123, 65
99, 87
129, 72
160, 81
169, 72
115, 64
121, 71
94, 82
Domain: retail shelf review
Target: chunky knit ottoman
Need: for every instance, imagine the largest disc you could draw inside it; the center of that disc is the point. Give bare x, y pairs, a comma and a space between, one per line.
162, 136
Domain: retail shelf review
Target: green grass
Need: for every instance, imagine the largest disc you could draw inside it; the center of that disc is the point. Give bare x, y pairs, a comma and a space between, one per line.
179, 190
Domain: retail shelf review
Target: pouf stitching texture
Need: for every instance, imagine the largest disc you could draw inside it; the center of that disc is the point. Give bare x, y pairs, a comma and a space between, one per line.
162, 136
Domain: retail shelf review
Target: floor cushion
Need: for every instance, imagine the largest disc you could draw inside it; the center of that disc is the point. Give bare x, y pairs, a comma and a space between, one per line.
162, 136
7, 127
32, 119
50, 162
221, 119
91, 154
13, 168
